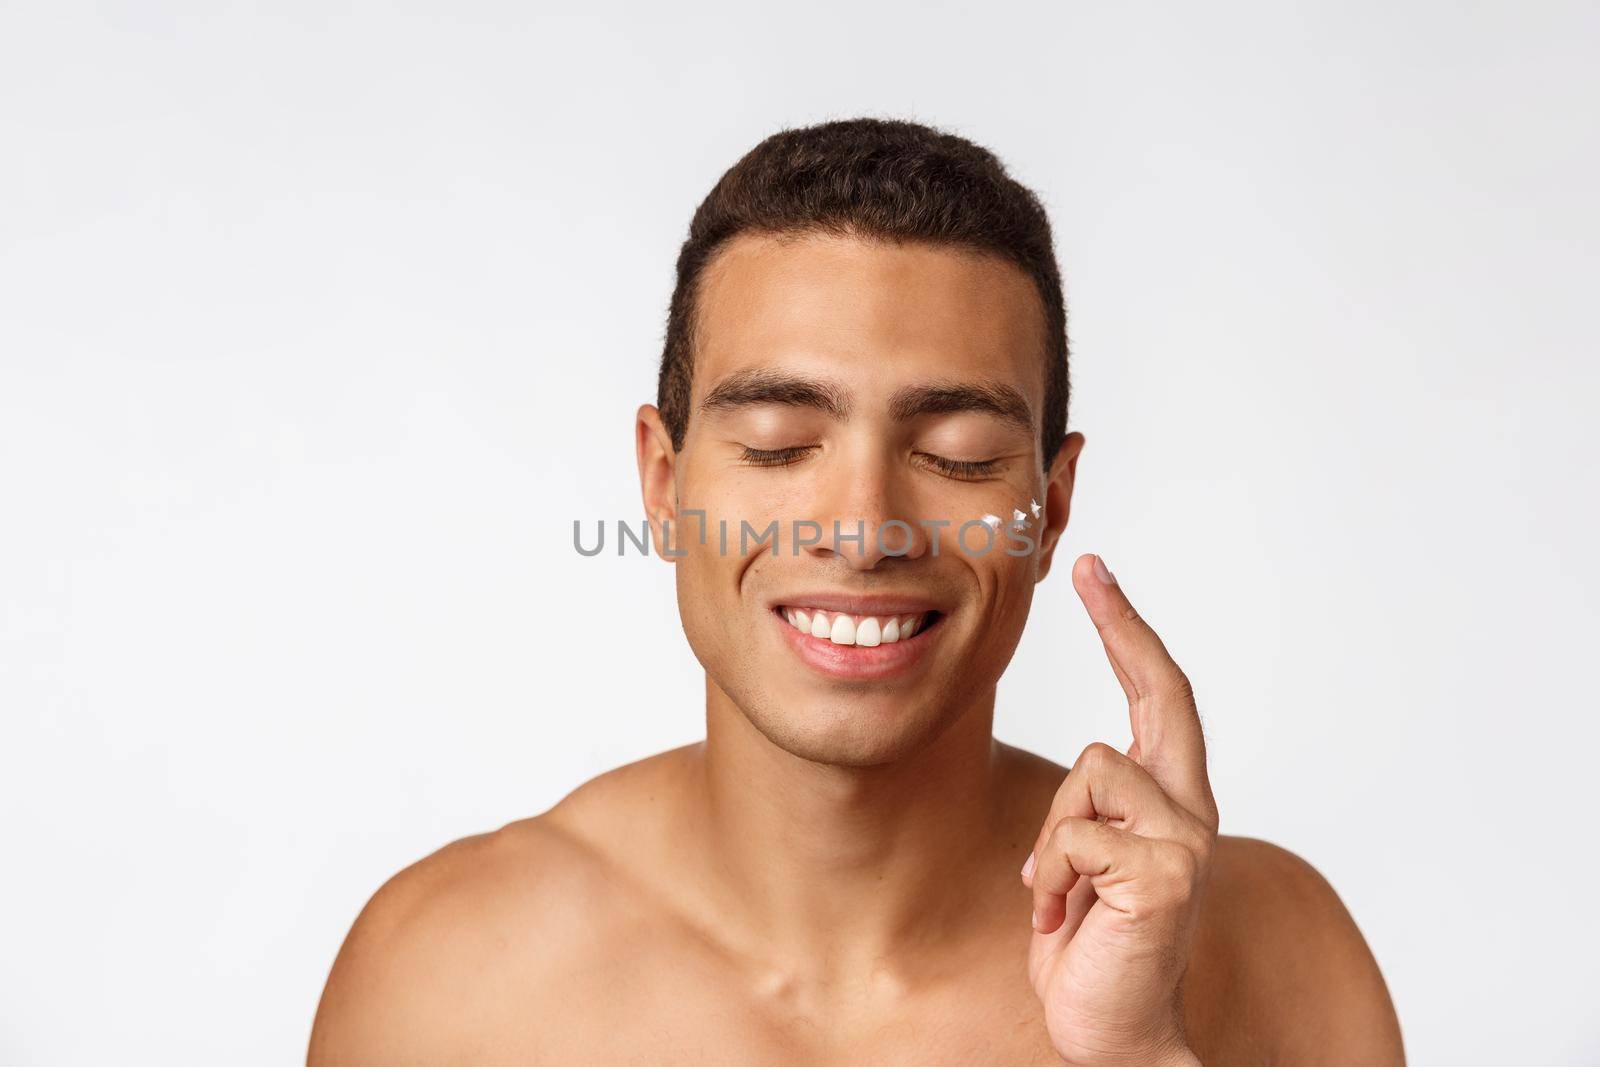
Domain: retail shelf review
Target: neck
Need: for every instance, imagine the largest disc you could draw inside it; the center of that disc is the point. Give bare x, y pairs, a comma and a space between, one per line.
832, 870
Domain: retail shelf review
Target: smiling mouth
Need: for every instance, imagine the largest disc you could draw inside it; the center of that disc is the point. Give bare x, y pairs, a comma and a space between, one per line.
865, 631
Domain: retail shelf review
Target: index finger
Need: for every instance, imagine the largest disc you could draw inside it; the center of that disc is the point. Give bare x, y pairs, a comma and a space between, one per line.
1161, 709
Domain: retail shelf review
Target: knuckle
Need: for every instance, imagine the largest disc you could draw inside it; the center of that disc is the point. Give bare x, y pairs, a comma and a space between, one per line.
1201, 834
1097, 756
1069, 835
1181, 869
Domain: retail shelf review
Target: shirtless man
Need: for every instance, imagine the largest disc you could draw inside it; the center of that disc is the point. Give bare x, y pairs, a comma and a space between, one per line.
849, 869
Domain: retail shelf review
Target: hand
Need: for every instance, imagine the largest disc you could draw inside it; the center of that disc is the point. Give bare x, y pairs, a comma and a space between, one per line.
1121, 862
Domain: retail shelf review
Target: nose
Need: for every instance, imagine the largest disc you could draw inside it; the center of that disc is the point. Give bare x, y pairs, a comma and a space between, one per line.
861, 514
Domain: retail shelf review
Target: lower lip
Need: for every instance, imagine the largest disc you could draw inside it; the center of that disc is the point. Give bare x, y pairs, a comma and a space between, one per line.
859, 662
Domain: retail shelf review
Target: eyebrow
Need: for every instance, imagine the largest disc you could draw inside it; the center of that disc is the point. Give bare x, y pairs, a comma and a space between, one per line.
942, 398
775, 387
762, 386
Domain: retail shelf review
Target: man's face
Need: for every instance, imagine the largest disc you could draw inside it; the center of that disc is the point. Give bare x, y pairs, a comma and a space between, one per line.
858, 382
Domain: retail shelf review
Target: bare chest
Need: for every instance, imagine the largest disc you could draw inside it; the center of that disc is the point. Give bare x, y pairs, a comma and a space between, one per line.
670, 1000
661, 1008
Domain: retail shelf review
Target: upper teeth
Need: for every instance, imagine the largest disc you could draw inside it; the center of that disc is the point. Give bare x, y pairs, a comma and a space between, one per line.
843, 629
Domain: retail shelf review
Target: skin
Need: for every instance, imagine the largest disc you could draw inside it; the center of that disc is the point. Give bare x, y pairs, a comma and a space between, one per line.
832, 875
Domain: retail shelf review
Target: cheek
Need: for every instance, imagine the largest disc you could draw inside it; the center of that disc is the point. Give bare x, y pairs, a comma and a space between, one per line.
1003, 500
1012, 580
708, 610
714, 581
749, 501
1006, 583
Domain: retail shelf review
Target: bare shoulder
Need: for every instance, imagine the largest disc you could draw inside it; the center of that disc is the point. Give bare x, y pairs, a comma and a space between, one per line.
486, 937
1280, 965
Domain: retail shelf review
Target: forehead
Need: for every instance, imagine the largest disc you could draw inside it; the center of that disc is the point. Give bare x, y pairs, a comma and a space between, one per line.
864, 310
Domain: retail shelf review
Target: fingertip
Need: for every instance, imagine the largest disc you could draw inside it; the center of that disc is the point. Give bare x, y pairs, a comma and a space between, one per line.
1091, 570
1095, 584
1083, 572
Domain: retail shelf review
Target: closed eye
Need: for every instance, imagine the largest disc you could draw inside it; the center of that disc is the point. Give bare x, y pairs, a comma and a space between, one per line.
965, 469
775, 457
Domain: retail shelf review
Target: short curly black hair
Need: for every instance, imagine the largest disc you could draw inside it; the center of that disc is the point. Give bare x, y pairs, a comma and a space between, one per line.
875, 178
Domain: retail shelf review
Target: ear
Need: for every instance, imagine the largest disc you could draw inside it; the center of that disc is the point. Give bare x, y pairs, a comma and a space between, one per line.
1059, 480
657, 462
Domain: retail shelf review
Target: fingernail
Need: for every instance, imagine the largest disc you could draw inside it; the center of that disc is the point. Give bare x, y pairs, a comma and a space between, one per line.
1027, 868
1101, 573
1033, 920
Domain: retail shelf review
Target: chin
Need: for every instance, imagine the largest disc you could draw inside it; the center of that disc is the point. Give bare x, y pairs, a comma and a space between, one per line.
852, 732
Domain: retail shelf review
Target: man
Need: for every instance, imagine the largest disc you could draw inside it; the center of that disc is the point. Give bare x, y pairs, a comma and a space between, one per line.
867, 338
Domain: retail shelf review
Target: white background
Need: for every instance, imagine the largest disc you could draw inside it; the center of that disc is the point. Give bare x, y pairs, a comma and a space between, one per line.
319, 327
